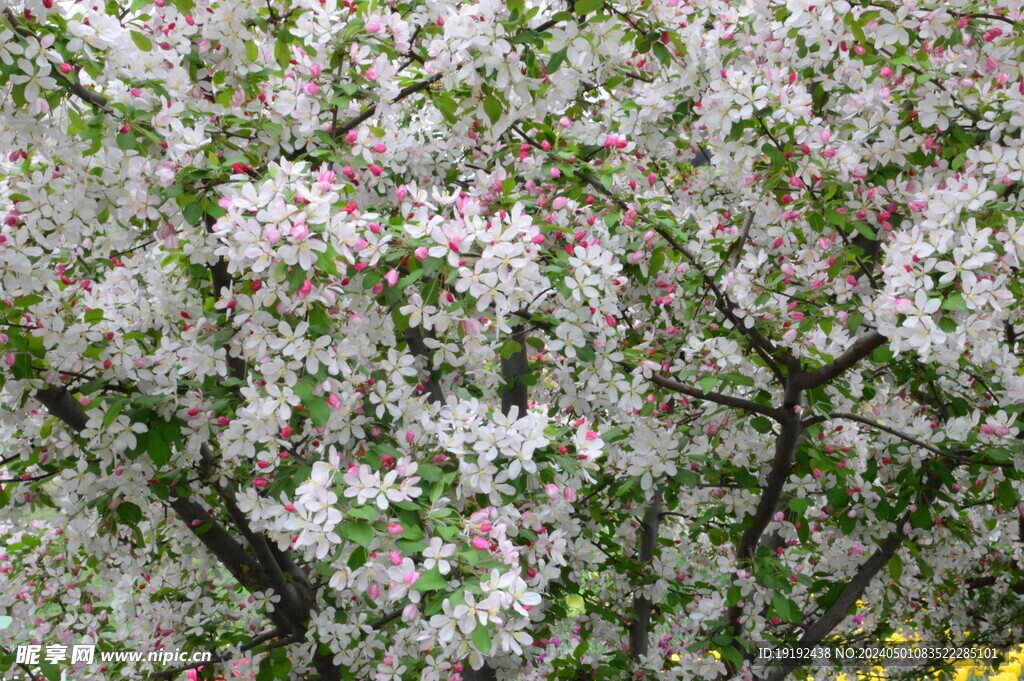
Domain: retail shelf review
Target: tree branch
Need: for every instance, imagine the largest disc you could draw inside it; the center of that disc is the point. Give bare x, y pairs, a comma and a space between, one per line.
217, 659
785, 447
960, 456
512, 371
815, 633
860, 349
366, 113
61, 404
717, 398
639, 629
414, 338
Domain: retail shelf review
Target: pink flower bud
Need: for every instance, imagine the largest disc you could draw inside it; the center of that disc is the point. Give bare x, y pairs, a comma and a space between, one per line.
556, 173
379, 148
395, 528
65, 68
351, 136
538, 239
391, 277
9, 359
479, 543
260, 482
410, 436
374, 591
411, 577
373, 25
421, 253
395, 557
559, 203
311, 89
376, 170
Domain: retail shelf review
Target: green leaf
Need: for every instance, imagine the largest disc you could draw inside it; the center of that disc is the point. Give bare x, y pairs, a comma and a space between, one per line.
954, 302
707, 383
251, 51
556, 60
360, 533
587, 6
432, 580
50, 671
781, 606
896, 567
662, 53
304, 389
113, 411
162, 435
93, 316
481, 638
509, 348
494, 108
761, 424
358, 558
921, 518
125, 141
739, 379
129, 512
141, 41
282, 53
319, 411
364, 512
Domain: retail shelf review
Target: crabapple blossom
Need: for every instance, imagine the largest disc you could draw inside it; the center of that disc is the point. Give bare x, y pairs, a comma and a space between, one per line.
441, 340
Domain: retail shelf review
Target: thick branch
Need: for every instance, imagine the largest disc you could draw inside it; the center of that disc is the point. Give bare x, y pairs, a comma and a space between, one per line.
860, 349
229, 552
414, 338
513, 369
785, 447
717, 398
639, 630
366, 113
63, 406
815, 633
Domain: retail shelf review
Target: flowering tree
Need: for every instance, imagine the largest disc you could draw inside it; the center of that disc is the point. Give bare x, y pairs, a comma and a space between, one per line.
363, 340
